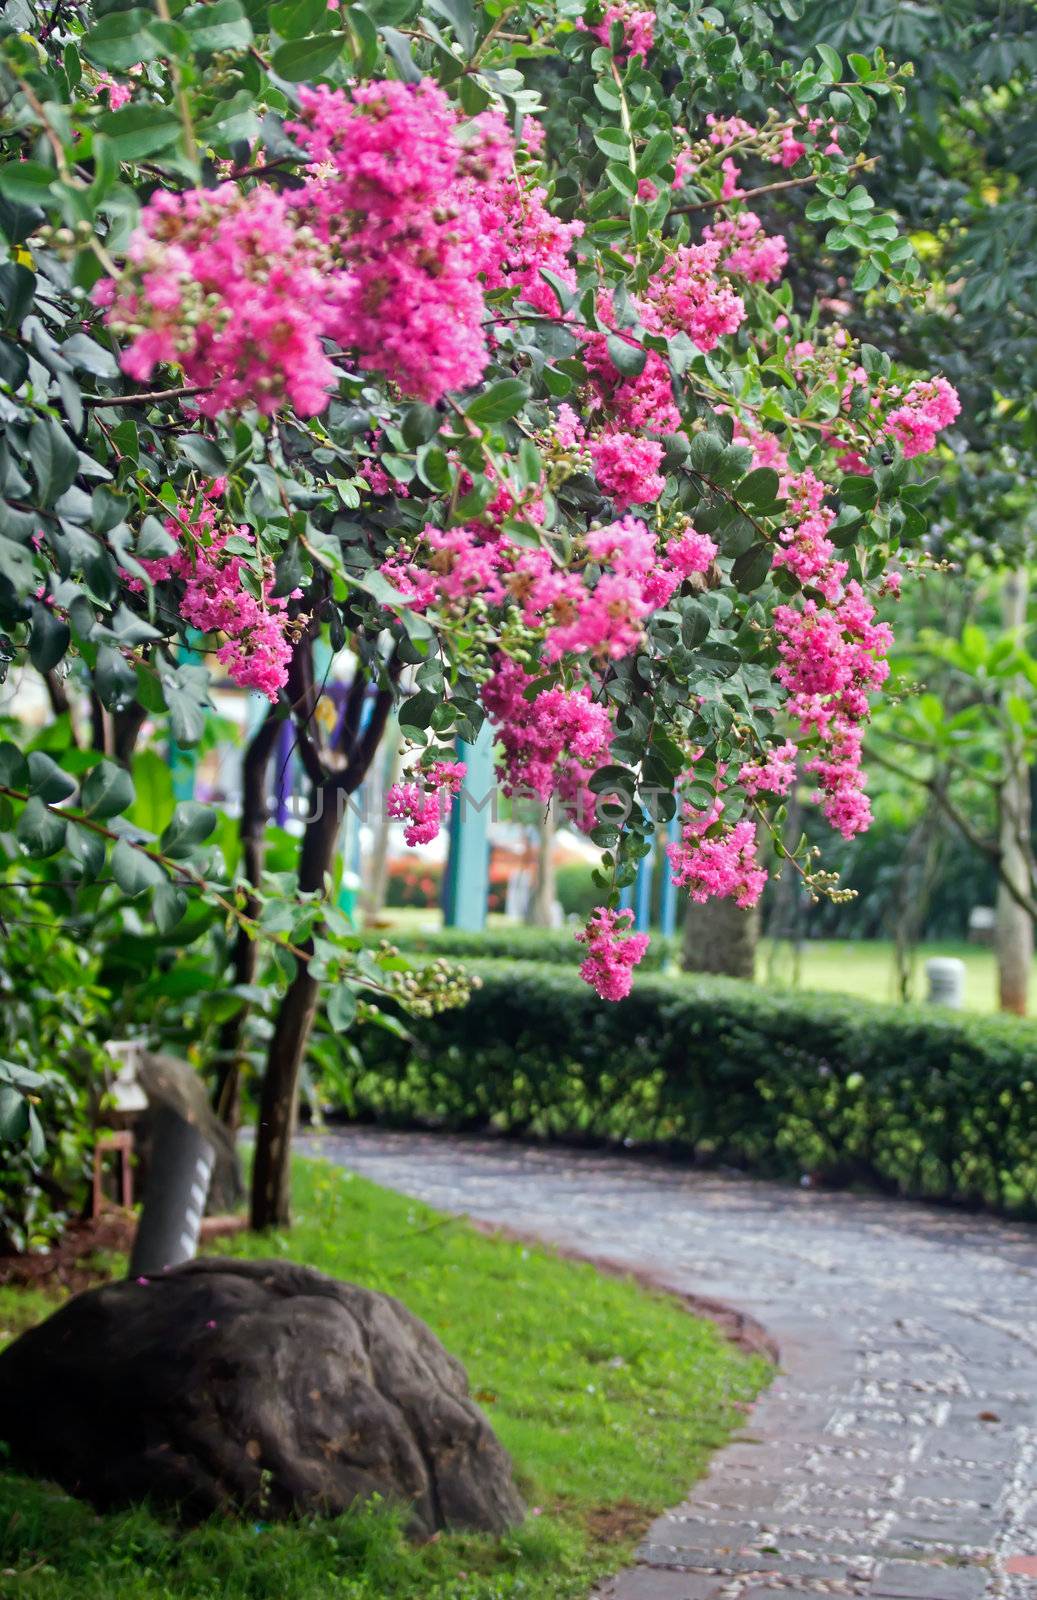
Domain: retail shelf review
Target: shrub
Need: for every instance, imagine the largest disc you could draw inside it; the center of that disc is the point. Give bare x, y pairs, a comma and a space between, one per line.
49, 1001
550, 945
918, 1102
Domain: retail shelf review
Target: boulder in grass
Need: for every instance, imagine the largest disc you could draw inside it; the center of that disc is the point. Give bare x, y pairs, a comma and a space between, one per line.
255, 1387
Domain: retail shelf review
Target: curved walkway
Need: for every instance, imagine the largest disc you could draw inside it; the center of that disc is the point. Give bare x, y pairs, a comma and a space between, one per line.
896, 1453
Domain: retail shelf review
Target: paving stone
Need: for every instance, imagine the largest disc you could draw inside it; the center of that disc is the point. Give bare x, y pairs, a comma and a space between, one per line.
647, 1583
917, 1580
899, 1325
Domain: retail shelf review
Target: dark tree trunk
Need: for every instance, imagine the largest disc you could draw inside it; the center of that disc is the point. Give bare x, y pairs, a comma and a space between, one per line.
721, 937
227, 1095
333, 776
278, 1103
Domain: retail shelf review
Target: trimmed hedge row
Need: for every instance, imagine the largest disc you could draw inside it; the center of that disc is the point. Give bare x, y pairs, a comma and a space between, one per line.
554, 945
918, 1102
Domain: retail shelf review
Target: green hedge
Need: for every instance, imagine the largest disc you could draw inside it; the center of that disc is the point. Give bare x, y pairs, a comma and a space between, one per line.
919, 1102
553, 945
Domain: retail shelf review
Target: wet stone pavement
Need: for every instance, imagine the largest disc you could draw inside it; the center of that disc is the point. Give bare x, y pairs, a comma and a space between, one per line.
895, 1455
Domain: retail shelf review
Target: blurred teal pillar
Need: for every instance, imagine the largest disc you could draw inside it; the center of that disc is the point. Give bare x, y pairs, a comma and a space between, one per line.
466, 883
643, 892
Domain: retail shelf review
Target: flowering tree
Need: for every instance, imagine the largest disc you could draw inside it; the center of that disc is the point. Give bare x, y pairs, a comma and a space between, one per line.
453, 337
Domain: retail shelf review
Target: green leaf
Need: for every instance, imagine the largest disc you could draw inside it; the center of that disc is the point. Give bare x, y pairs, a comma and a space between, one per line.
622, 179
87, 848
14, 771
191, 825
153, 806
301, 60
751, 567
398, 46
416, 711
40, 830
48, 638
612, 142
114, 678
628, 359
420, 424
707, 454
203, 453
499, 402
760, 488
17, 291
130, 629
137, 131
134, 871
294, 19
341, 1007
656, 154
47, 780
108, 791
123, 38
14, 364
460, 15
55, 459
27, 182
168, 904
216, 25
613, 779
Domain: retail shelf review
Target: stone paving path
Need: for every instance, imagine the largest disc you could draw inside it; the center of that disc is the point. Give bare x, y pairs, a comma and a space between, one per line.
896, 1453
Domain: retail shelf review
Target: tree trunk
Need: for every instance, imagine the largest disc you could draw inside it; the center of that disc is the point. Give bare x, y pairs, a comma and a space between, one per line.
278, 1104
1014, 922
542, 900
355, 752
252, 830
721, 937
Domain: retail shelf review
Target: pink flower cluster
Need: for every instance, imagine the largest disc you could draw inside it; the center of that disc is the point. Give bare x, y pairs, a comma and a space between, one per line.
685, 295
409, 215
595, 610
553, 742
638, 28
927, 407
749, 252
830, 660
612, 952
520, 238
720, 865
393, 199
118, 93
627, 468
216, 599
425, 804
222, 283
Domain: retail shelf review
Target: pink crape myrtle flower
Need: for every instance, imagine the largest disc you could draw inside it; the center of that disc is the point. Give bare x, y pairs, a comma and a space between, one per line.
425, 804
723, 866
638, 28
612, 952
258, 635
395, 194
927, 408
221, 283
627, 468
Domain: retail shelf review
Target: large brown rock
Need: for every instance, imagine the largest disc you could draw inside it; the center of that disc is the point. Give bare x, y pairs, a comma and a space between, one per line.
253, 1386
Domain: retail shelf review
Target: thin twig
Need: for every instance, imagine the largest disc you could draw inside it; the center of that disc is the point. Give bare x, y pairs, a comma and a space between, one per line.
773, 188
151, 398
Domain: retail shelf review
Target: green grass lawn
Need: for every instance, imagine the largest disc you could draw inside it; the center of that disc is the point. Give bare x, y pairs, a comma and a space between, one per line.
610, 1400
864, 967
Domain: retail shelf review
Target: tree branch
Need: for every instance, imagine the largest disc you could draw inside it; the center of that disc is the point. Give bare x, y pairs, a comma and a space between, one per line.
772, 188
